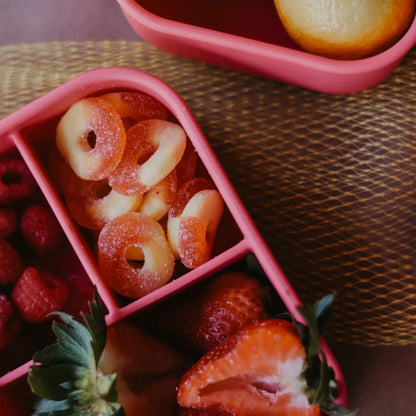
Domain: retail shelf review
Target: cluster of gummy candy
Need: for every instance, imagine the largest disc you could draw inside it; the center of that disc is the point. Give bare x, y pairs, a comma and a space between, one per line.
31, 287
129, 174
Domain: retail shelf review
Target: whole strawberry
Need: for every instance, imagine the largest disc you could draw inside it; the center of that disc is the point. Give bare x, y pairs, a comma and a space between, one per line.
41, 230
210, 312
257, 371
37, 294
273, 367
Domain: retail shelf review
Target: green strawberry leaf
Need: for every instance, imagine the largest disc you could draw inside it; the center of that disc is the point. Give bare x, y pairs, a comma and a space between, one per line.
72, 332
44, 386
45, 407
319, 376
315, 317
50, 382
55, 354
65, 374
96, 325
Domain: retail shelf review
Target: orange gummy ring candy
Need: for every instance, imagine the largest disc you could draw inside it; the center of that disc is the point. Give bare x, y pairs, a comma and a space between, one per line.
93, 203
157, 201
198, 226
184, 194
140, 231
91, 138
163, 141
136, 106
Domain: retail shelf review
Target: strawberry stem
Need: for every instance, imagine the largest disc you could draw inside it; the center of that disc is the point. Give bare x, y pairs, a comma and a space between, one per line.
319, 376
65, 376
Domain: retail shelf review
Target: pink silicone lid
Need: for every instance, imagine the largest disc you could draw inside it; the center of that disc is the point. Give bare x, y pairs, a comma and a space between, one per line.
22, 130
247, 36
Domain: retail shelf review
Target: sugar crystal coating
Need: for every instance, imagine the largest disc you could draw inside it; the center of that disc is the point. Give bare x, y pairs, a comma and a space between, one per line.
91, 138
136, 105
158, 200
183, 195
93, 203
153, 149
198, 226
186, 168
139, 230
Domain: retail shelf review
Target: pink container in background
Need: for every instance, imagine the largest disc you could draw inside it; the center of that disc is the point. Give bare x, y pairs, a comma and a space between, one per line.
31, 129
247, 36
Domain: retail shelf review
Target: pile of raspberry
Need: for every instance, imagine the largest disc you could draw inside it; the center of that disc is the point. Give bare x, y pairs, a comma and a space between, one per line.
30, 289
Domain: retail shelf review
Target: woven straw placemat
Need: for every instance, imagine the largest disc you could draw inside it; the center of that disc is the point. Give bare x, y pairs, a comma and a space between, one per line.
328, 179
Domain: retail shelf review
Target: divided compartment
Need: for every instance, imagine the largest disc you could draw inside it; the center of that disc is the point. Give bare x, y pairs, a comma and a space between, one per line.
60, 261
248, 36
30, 131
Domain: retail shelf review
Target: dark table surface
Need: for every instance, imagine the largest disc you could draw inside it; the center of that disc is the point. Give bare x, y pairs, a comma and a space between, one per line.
381, 381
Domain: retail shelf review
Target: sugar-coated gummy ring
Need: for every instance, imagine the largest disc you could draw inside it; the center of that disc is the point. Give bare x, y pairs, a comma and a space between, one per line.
16, 181
91, 138
136, 106
163, 141
158, 199
186, 168
184, 194
141, 231
93, 203
198, 226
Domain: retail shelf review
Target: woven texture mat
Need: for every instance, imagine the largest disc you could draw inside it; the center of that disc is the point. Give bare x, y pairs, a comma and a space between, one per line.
329, 180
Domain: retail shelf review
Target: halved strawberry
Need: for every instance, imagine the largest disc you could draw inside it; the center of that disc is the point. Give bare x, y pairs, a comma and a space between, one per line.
257, 371
207, 314
148, 370
264, 369
93, 370
131, 351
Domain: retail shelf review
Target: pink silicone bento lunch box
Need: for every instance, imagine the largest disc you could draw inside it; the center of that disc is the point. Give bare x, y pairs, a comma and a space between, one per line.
248, 36
30, 131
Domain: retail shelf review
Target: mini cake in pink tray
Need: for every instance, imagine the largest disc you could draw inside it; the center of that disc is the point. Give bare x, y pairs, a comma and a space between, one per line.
248, 36
30, 135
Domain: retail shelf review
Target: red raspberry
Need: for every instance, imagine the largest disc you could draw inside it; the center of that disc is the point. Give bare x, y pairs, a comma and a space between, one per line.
9, 322
11, 265
16, 181
81, 293
37, 294
8, 222
41, 230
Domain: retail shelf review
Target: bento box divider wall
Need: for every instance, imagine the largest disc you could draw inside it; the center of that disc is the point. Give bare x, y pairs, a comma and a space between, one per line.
71, 230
